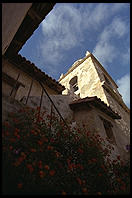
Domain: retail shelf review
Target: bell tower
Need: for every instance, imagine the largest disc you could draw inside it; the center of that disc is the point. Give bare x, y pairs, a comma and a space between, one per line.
87, 78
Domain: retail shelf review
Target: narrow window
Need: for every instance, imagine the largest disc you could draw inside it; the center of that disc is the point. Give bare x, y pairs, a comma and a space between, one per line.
108, 129
73, 83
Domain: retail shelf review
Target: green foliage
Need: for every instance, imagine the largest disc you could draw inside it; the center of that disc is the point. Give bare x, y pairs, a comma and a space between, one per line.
43, 156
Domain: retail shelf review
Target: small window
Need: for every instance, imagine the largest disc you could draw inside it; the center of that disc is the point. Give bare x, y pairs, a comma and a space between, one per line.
108, 129
73, 83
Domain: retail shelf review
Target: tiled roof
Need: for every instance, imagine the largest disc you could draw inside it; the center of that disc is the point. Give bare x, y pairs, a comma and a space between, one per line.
98, 103
30, 68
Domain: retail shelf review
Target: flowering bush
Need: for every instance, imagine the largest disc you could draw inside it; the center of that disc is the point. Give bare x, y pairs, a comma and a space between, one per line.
43, 156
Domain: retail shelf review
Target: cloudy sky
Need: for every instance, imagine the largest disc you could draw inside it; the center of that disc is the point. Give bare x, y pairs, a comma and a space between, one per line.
71, 29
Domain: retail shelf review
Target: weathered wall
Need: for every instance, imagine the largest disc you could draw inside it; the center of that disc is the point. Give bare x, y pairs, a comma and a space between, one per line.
61, 103
88, 80
84, 115
9, 105
93, 123
25, 79
102, 79
124, 122
12, 17
6, 89
120, 139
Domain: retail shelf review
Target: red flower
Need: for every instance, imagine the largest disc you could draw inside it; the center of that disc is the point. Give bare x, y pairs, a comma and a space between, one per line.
84, 190
19, 161
50, 147
79, 180
52, 172
17, 130
41, 174
33, 132
40, 164
19, 185
46, 167
40, 142
73, 165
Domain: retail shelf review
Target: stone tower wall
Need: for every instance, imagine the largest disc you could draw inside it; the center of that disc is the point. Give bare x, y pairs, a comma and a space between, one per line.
88, 80
101, 74
124, 122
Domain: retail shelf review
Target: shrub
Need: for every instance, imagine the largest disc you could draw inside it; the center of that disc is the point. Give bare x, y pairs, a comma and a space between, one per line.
43, 156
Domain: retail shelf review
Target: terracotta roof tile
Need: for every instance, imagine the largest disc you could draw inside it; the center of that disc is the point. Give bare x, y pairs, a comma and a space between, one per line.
19, 60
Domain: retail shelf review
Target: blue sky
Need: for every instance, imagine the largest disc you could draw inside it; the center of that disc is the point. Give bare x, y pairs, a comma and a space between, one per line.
71, 29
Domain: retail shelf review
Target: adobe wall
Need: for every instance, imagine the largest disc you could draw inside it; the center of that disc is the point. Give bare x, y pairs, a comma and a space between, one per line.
93, 123
25, 79
61, 102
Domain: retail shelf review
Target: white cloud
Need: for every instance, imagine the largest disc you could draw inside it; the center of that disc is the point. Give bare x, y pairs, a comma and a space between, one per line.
64, 27
61, 29
119, 27
99, 14
126, 57
105, 53
124, 88
106, 50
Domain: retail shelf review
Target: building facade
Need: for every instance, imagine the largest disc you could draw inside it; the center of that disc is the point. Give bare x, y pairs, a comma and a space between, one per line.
87, 78
91, 96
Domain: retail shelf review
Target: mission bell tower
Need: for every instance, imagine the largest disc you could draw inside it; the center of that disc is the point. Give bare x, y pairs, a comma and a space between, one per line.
87, 78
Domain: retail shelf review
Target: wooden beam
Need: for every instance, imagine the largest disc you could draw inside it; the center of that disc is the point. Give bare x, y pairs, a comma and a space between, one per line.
34, 15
